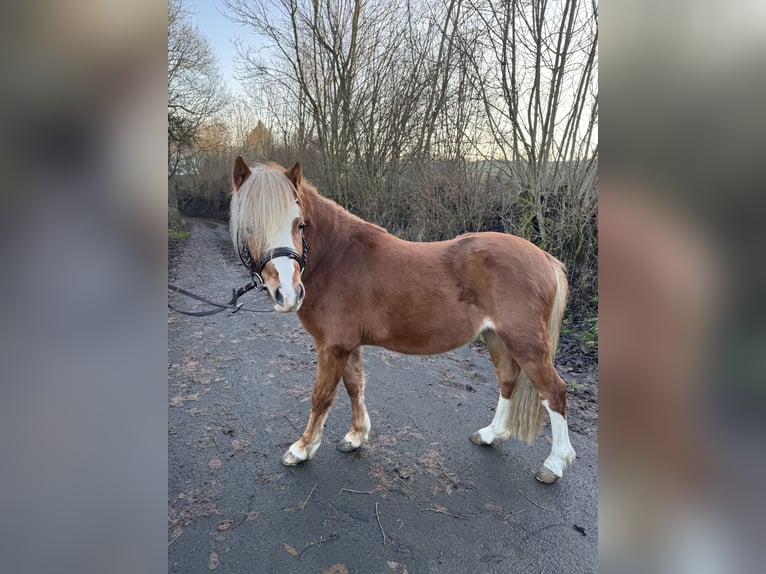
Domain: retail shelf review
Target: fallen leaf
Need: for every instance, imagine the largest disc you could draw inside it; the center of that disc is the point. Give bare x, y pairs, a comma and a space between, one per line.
290, 549
253, 515
336, 569
225, 524
494, 507
192, 397
212, 562
235, 444
215, 464
396, 568
177, 401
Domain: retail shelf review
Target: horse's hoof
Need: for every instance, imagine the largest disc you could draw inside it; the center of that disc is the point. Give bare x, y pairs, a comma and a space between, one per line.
476, 439
346, 446
289, 459
546, 476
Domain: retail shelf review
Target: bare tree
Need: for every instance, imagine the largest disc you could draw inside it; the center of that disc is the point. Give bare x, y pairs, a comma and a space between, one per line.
534, 71
433, 117
195, 89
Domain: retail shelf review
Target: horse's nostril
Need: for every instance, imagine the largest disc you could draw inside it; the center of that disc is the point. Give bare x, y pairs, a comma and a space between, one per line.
301, 291
278, 297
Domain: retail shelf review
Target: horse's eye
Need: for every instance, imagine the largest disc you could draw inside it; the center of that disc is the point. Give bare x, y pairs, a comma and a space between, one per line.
301, 225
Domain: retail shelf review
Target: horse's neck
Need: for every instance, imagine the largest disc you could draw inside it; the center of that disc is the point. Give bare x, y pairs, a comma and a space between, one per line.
329, 223
330, 229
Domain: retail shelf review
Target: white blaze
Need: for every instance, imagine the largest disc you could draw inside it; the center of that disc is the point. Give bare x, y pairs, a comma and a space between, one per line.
285, 266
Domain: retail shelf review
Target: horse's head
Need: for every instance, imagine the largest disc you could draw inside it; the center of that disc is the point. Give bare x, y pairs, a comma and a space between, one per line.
267, 229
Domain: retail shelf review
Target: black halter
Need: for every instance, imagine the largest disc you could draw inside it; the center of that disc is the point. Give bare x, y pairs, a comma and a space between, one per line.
257, 267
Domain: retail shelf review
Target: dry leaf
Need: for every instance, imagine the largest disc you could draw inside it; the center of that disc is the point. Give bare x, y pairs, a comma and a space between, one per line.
253, 515
396, 568
215, 464
235, 444
225, 524
177, 401
493, 507
336, 569
290, 549
212, 562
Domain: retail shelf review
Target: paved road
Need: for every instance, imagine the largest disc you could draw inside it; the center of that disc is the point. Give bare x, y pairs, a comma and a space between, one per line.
420, 498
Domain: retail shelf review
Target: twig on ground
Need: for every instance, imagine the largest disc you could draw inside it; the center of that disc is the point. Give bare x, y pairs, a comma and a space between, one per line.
175, 537
440, 511
292, 424
302, 505
342, 490
466, 468
321, 540
528, 536
379, 524
533, 502
515, 513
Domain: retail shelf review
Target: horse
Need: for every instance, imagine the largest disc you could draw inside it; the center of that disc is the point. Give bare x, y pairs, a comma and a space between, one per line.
353, 284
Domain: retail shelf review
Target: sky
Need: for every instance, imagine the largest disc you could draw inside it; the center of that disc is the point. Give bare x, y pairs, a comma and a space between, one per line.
220, 31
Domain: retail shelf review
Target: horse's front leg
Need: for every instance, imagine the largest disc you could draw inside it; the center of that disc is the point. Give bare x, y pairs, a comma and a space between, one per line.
353, 379
330, 365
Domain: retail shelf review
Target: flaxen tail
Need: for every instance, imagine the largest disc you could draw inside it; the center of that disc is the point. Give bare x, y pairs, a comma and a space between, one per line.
527, 411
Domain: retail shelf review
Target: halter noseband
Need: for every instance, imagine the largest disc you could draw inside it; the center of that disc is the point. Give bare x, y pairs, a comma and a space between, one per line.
257, 267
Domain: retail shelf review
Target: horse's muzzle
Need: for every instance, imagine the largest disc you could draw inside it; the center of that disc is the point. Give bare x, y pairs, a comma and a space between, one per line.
286, 304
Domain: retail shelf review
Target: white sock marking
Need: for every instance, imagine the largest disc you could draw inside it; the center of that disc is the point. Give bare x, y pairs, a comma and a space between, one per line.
296, 452
486, 325
562, 452
498, 428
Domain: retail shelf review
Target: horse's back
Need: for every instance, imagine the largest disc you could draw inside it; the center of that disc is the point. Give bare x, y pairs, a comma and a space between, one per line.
426, 298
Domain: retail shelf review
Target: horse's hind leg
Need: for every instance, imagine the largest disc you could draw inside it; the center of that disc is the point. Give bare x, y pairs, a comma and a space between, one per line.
354, 381
553, 392
526, 376
331, 363
507, 371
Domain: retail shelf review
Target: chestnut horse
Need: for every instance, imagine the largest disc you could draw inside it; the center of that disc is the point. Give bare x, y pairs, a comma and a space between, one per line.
360, 285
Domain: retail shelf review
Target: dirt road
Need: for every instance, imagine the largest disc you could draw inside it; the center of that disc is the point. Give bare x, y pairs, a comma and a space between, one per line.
420, 498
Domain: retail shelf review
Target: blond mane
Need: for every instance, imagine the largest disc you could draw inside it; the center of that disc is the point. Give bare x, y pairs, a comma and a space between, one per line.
260, 208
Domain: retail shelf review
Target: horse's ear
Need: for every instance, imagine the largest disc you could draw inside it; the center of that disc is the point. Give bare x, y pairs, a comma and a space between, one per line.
240, 172
295, 175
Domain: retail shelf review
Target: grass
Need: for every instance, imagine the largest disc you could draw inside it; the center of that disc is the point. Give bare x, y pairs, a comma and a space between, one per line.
177, 228
574, 385
590, 334
586, 330
178, 234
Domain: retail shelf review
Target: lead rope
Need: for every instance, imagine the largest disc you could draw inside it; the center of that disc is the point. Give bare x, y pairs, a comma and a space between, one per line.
219, 307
